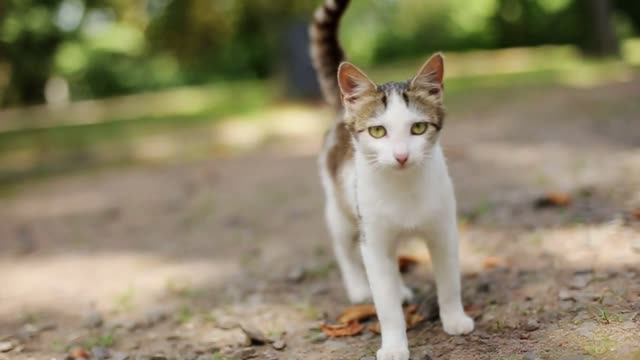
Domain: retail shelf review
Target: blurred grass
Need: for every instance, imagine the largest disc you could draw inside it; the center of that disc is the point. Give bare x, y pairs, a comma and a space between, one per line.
59, 140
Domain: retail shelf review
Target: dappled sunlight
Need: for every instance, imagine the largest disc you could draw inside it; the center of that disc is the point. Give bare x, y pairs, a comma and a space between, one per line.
73, 283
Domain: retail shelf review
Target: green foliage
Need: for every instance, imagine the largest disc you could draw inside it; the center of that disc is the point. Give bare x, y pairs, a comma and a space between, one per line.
109, 47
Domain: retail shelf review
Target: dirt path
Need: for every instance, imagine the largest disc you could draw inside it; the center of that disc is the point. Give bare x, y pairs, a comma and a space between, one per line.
168, 261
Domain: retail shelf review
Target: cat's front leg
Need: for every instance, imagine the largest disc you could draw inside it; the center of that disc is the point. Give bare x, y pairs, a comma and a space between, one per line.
382, 272
443, 246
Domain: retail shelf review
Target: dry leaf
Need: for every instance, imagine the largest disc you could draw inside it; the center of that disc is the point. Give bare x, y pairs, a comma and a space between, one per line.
78, 354
473, 310
357, 312
553, 200
411, 318
375, 328
636, 214
492, 262
350, 329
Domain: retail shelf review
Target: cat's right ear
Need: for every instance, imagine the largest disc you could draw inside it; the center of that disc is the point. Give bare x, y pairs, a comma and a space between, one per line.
353, 82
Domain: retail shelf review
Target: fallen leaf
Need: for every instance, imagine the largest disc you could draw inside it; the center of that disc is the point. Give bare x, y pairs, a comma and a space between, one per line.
78, 354
407, 262
411, 319
473, 310
491, 262
350, 329
553, 200
410, 309
357, 312
636, 214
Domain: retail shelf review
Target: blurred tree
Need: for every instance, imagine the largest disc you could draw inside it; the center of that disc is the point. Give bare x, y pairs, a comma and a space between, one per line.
601, 39
28, 38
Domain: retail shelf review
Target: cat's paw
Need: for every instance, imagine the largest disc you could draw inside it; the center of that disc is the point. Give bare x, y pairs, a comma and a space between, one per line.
359, 294
406, 293
457, 323
393, 353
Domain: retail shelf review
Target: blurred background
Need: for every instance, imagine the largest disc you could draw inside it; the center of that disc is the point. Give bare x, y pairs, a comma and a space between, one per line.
158, 178
82, 81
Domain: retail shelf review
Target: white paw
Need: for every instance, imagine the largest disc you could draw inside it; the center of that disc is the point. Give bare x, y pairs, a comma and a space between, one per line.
457, 323
406, 293
359, 294
393, 353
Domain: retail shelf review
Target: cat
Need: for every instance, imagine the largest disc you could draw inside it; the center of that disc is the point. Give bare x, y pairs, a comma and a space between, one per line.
385, 177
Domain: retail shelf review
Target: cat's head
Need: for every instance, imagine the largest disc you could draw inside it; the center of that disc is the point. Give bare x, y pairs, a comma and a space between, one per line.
394, 125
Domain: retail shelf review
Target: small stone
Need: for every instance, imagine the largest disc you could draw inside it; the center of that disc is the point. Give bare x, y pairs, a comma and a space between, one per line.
244, 353
271, 356
99, 353
279, 345
368, 336
531, 356
6, 346
580, 280
158, 357
532, 325
319, 289
566, 304
155, 316
257, 337
121, 356
319, 338
565, 294
93, 319
458, 340
368, 358
296, 275
27, 332
524, 336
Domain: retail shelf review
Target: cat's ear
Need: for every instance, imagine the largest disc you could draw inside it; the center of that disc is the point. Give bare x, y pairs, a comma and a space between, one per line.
353, 82
430, 76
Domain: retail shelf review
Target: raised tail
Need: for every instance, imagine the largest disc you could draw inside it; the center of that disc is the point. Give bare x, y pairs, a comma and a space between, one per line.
326, 53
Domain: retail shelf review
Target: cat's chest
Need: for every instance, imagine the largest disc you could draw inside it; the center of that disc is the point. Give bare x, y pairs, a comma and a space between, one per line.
401, 204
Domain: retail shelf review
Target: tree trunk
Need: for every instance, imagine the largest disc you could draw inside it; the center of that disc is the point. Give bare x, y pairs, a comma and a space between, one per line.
602, 40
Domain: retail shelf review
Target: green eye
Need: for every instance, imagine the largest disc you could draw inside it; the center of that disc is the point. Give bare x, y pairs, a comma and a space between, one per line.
377, 131
419, 128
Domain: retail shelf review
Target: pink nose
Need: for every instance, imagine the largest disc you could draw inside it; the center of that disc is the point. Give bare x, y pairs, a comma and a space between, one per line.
401, 158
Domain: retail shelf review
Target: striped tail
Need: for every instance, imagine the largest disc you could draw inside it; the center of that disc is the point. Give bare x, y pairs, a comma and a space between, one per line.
326, 53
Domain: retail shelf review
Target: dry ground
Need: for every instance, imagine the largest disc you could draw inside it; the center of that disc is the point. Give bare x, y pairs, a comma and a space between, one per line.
172, 258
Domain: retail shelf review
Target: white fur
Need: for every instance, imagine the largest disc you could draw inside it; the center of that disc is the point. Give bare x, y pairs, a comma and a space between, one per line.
394, 202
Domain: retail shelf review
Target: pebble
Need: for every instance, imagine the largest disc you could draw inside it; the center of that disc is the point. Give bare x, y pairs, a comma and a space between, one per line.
257, 337
158, 357
459, 340
565, 294
532, 325
368, 358
6, 346
93, 320
531, 356
244, 353
99, 353
296, 275
121, 356
580, 280
279, 345
155, 316
319, 338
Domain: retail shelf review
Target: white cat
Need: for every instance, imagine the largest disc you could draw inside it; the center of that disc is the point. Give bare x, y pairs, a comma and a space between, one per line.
385, 178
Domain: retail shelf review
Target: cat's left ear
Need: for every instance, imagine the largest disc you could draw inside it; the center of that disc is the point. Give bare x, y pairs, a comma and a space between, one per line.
430, 76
